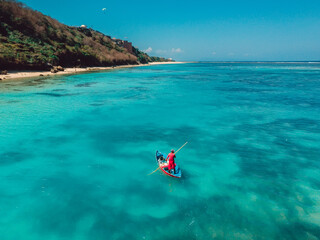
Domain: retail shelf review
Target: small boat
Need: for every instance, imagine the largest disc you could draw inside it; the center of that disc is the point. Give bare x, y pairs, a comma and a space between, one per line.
161, 160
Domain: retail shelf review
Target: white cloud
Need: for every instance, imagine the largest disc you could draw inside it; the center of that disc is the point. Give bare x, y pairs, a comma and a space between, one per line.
176, 50
246, 54
214, 53
148, 50
231, 54
159, 51
173, 50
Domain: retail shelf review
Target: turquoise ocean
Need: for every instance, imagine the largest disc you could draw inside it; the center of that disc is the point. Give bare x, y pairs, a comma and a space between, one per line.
76, 151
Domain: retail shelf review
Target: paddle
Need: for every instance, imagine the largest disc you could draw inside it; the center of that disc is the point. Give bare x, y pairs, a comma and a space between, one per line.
174, 154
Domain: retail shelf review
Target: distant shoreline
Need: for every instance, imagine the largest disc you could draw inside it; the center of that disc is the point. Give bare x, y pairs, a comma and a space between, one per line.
311, 62
16, 75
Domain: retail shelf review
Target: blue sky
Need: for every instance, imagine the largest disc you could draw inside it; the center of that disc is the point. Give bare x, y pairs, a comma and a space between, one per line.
229, 30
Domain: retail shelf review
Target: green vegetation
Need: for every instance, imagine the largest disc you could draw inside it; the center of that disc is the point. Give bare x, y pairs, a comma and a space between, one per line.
31, 40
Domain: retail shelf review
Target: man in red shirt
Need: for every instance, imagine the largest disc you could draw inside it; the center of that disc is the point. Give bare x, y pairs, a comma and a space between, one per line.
171, 164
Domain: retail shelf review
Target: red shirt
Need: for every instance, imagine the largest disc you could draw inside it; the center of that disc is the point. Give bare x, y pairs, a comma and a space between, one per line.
171, 157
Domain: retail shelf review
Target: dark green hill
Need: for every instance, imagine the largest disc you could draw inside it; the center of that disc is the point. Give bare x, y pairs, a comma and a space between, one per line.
31, 40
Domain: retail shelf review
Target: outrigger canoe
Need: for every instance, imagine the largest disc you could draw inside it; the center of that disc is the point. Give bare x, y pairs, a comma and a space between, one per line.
161, 160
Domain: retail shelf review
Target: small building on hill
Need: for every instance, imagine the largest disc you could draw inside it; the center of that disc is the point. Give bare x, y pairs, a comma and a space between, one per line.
128, 45
125, 44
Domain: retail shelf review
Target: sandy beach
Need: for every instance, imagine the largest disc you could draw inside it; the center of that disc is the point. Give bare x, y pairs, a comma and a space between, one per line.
13, 75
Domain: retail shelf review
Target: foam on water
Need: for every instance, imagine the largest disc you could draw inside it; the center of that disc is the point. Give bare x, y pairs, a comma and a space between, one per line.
75, 152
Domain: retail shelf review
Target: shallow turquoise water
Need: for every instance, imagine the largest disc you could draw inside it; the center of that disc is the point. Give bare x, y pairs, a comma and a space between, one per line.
75, 152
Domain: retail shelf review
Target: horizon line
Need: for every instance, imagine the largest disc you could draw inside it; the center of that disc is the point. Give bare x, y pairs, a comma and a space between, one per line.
258, 61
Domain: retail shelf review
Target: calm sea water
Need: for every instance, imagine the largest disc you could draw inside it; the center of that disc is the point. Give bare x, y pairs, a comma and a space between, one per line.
75, 153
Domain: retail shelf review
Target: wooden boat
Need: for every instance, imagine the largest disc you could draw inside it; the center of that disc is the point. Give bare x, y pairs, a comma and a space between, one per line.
163, 164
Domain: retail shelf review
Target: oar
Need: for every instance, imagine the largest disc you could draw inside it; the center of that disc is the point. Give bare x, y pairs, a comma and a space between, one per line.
154, 171
180, 148
174, 154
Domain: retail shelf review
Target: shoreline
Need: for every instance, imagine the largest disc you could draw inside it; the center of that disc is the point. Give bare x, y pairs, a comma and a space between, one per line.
17, 75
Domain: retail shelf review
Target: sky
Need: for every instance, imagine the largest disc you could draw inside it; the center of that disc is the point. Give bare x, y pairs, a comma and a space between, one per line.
223, 30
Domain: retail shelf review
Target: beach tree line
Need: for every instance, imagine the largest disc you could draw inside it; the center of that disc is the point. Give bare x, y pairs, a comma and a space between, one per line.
31, 40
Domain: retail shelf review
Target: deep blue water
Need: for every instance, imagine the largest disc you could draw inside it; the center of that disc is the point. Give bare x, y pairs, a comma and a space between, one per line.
75, 153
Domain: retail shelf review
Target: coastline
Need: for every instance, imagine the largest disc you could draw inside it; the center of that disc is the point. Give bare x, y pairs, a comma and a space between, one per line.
17, 75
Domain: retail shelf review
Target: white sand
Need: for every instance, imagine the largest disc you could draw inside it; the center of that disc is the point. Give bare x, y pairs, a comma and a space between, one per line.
31, 74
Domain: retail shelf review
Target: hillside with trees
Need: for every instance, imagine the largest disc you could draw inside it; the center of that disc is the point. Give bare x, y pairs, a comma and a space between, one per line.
31, 40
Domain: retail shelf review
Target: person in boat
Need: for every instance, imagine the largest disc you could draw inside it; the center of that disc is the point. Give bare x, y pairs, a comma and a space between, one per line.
171, 156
